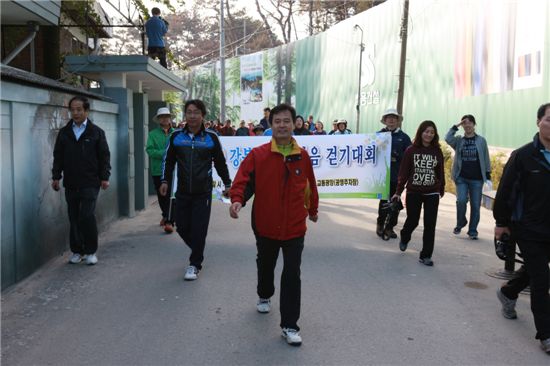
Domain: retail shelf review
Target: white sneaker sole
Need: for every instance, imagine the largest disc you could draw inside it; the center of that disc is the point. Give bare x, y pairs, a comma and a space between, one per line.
295, 343
190, 278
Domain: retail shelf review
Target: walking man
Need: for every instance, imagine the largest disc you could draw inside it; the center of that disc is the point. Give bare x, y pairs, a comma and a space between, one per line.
156, 147
81, 158
280, 175
156, 28
400, 141
521, 209
194, 149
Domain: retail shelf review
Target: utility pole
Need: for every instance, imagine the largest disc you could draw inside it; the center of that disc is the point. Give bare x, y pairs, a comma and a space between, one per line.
244, 37
361, 49
222, 66
402, 62
310, 17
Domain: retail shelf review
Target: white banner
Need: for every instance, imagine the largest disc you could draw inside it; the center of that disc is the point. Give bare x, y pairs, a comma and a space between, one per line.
345, 166
252, 102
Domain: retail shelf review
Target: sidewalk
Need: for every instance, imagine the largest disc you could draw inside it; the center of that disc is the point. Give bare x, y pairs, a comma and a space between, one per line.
363, 301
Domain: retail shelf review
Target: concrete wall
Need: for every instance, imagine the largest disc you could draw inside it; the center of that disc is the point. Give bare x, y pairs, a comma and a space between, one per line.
34, 224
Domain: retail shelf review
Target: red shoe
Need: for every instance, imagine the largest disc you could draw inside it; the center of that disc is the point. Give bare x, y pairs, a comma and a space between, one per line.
168, 228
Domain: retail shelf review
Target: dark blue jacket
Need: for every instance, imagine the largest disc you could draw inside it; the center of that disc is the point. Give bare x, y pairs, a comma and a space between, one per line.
400, 141
155, 28
194, 156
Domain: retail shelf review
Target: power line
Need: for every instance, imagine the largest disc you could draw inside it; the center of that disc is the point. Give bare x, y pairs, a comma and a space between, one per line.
247, 37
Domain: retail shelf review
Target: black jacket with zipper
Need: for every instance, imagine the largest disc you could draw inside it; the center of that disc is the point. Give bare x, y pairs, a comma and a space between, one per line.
194, 156
83, 163
522, 201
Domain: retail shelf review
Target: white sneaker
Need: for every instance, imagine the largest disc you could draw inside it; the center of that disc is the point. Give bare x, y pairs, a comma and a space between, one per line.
191, 273
292, 336
75, 258
91, 259
263, 305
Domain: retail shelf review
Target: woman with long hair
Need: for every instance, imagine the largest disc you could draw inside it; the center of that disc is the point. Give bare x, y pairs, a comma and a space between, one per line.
300, 128
422, 173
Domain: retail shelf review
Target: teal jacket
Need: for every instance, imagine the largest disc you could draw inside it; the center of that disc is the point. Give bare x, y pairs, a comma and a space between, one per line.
156, 148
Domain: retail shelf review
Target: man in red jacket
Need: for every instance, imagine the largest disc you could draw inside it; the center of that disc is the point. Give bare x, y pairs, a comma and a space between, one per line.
280, 175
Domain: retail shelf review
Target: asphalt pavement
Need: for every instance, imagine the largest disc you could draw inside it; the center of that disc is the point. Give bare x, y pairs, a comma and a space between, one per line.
363, 301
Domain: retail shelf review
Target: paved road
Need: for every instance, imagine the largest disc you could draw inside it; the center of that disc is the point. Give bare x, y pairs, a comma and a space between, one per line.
363, 301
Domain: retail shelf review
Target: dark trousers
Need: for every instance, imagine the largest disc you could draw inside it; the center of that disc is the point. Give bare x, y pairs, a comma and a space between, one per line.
192, 218
414, 203
291, 285
536, 255
81, 208
164, 201
513, 287
159, 52
383, 213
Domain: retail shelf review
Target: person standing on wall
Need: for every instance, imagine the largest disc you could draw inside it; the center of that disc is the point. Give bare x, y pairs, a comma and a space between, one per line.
156, 147
81, 158
400, 141
194, 149
521, 210
280, 175
422, 173
471, 168
156, 28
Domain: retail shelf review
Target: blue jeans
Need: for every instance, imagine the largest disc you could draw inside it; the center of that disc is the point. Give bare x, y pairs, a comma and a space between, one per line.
468, 188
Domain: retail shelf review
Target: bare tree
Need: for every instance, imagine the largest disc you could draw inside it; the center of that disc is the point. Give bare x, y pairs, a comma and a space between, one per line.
279, 12
323, 14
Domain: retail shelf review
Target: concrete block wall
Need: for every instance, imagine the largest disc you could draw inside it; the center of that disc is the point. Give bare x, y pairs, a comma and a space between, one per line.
34, 224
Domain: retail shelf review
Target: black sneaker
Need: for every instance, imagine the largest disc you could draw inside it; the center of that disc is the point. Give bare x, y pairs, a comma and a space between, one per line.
402, 246
426, 261
393, 234
457, 230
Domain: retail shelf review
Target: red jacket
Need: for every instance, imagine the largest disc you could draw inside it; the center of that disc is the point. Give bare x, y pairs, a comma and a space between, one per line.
285, 190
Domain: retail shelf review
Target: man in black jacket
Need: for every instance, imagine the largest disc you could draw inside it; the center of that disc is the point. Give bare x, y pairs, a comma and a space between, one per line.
400, 141
81, 158
521, 208
194, 149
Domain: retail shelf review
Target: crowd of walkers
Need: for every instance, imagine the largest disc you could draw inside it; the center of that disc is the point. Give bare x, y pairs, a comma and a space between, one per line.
302, 127
282, 168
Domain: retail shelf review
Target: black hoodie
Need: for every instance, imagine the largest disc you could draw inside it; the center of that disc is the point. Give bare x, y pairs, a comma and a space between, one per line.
523, 197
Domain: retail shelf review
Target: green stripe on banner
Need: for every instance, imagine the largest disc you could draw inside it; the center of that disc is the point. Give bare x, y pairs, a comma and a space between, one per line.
350, 195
